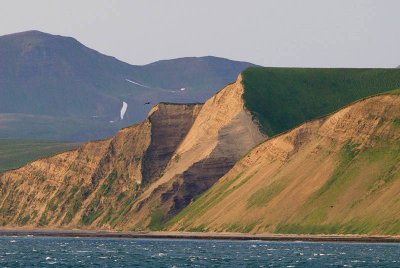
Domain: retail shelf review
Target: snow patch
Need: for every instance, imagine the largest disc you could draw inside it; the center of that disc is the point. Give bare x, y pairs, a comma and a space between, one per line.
112, 121
136, 83
123, 109
183, 89
141, 85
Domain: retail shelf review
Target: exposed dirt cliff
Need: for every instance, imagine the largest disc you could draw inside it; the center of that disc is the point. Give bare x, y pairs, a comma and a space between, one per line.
338, 174
222, 133
95, 185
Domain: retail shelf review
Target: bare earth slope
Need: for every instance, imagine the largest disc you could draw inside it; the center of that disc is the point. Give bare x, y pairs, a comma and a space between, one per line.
339, 174
94, 185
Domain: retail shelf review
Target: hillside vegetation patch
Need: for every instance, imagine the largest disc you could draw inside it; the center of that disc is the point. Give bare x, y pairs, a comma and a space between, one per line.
283, 98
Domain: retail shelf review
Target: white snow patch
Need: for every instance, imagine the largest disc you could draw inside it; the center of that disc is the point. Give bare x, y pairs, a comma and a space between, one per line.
123, 109
136, 83
183, 89
141, 85
112, 121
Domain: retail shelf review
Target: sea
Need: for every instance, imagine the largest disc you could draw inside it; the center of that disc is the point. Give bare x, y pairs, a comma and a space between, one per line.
107, 252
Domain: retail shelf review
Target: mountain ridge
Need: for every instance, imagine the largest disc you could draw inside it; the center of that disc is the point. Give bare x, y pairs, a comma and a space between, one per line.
48, 78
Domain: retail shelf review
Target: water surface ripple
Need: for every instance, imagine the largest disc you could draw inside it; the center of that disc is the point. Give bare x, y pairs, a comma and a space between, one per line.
101, 252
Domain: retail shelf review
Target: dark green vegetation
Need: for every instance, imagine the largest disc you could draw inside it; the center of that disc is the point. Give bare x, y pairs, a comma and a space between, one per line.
47, 79
156, 223
96, 208
16, 153
283, 98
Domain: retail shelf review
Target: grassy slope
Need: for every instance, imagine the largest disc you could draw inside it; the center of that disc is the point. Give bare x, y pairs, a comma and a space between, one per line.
315, 216
57, 128
282, 98
16, 153
365, 188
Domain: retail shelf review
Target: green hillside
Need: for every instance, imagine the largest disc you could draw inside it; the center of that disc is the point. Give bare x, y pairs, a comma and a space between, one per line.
16, 153
282, 98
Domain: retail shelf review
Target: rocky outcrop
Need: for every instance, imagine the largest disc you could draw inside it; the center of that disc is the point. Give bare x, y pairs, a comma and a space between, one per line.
167, 132
221, 134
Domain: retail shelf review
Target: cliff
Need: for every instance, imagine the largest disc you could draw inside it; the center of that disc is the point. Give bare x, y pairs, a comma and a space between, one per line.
222, 133
94, 185
338, 174
141, 177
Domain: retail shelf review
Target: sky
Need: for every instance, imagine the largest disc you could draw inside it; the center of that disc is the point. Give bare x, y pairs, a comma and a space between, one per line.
306, 33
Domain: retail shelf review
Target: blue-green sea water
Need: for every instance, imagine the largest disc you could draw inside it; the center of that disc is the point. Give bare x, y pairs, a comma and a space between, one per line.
100, 252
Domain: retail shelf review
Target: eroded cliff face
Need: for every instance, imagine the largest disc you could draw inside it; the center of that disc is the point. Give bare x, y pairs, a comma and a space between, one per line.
222, 133
95, 185
167, 132
141, 177
339, 174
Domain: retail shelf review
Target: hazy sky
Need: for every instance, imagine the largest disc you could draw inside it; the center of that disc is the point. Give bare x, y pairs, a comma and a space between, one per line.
314, 33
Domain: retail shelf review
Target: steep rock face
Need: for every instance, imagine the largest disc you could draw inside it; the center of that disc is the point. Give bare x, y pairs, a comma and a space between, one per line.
222, 133
167, 132
95, 185
339, 174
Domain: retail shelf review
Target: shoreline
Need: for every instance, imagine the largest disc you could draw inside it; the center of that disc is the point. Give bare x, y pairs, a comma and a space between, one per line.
200, 236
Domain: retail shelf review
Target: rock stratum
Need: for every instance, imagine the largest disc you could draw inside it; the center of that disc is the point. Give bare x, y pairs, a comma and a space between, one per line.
140, 178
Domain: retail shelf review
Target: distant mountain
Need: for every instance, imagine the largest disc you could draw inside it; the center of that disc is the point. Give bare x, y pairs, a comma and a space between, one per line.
54, 87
